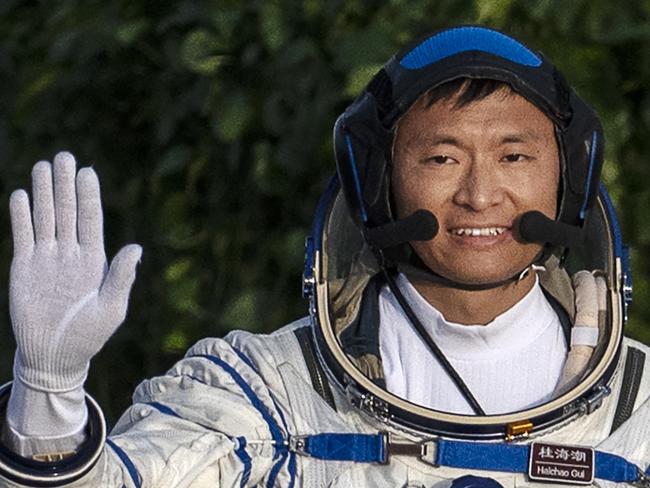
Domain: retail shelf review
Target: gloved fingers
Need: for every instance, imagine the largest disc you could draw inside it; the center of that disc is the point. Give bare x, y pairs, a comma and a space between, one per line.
43, 196
65, 198
90, 209
114, 292
21, 223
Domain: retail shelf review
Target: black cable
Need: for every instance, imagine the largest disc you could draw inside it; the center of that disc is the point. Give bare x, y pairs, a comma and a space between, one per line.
442, 359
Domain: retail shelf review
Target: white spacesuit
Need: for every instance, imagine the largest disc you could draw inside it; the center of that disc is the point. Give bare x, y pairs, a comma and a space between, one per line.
309, 404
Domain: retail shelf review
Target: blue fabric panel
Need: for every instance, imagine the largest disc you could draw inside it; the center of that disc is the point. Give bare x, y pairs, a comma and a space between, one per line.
615, 468
476, 455
130, 467
463, 39
363, 448
357, 181
163, 409
592, 159
369, 448
245, 459
274, 428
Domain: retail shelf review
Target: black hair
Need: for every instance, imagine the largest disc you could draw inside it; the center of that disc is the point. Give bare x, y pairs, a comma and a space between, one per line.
466, 91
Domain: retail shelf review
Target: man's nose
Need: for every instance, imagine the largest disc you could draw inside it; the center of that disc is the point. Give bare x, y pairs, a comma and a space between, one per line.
479, 187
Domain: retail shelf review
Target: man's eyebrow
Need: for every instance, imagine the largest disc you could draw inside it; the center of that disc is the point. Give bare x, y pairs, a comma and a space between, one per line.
442, 139
526, 135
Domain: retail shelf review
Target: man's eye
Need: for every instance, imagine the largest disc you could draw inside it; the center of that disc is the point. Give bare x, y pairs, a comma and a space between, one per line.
515, 158
439, 159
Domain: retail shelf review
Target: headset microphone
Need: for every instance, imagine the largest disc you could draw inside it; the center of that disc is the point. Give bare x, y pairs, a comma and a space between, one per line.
534, 226
421, 225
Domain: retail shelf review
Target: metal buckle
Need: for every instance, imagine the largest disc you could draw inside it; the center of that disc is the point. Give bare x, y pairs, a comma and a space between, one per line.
425, 451
298, 445
430, 452
594, 400
643, 481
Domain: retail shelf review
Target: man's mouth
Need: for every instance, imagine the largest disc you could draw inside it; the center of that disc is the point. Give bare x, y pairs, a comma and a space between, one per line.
478, 231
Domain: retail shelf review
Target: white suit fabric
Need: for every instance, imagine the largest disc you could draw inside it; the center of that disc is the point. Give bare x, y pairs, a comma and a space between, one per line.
222, 416
527, 339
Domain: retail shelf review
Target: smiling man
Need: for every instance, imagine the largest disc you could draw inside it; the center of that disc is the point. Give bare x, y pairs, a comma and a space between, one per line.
478, 156
468, 291
478, 167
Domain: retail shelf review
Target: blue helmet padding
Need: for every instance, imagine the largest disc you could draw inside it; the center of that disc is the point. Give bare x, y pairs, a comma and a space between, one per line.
463, 39
357, 180
615, 227
592, 159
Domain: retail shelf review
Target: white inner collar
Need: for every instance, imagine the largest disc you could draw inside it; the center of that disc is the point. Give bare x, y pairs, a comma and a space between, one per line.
514, 329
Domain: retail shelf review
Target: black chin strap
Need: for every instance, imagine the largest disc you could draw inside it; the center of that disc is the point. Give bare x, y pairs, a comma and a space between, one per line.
423, 273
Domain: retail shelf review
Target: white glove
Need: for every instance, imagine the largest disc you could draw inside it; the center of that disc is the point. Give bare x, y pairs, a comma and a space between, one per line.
64, 301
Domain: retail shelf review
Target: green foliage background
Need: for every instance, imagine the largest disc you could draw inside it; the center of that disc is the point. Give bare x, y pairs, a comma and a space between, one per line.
209, 123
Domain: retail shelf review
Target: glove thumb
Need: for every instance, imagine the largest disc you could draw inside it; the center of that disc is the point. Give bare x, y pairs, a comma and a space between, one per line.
115, 290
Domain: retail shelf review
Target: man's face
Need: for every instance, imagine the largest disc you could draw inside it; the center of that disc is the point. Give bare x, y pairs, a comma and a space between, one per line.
476, 168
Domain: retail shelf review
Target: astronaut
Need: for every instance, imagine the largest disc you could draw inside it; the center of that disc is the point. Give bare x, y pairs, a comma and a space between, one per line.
468, 292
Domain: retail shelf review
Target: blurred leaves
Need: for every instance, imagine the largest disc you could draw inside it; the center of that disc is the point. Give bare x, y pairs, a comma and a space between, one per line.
201, 52
209, 123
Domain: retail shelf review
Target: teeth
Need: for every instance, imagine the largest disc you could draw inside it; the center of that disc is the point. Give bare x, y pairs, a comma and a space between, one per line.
477, 232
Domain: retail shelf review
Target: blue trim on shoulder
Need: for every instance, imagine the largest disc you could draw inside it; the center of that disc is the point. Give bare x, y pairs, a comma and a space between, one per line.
292, 469
193, 378
130, 467
592, 159
276, 432
240, 451
462, 39
163, 409
275, 471
357, 180
274, 428
245, 358
245, 459
250, 364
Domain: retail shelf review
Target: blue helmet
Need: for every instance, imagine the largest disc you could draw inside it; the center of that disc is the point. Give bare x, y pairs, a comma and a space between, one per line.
363, 134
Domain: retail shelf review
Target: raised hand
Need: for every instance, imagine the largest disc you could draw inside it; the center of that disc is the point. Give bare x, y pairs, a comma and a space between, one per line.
65, 302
